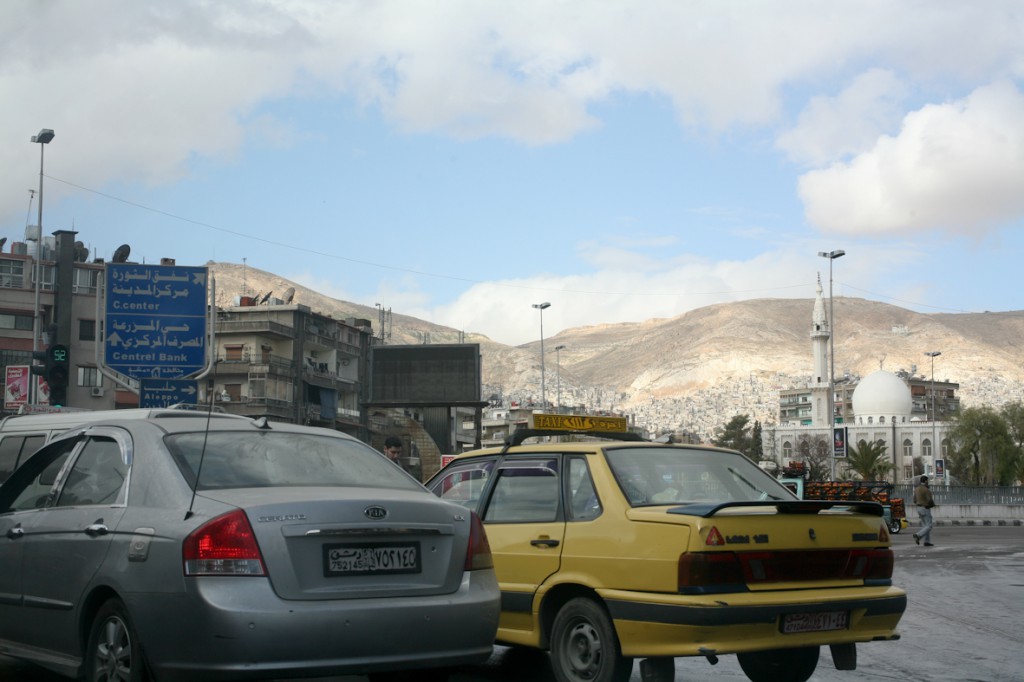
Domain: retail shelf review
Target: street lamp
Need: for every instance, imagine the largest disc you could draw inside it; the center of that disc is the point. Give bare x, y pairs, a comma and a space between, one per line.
541, 307
558, 378
42, 139
832, 255
935, 443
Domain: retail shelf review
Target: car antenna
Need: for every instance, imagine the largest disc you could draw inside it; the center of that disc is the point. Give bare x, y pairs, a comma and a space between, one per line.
206, 435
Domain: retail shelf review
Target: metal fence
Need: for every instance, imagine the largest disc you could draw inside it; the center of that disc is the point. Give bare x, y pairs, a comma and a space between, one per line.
965, 494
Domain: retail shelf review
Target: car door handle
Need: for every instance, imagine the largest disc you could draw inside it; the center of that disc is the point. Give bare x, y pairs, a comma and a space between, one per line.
544, 542
15, 533
96, 529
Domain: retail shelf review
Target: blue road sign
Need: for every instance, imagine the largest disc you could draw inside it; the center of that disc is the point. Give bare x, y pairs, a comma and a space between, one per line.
167, 392
155, 320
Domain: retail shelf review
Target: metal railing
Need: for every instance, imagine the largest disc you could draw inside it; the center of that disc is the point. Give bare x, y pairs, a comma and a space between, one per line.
964, 494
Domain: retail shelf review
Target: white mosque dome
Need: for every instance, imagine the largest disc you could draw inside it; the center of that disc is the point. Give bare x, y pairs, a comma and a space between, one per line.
882, 394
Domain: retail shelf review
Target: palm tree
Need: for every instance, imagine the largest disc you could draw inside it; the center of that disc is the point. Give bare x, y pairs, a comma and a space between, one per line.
869, 461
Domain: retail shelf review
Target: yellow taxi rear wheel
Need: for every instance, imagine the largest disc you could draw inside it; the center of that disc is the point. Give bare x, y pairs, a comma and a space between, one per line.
584, 646
780, 665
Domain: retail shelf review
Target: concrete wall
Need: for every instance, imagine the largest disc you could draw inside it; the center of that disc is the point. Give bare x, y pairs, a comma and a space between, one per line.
972, 515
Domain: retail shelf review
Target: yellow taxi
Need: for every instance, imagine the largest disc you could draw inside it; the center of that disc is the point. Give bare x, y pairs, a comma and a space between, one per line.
618, 549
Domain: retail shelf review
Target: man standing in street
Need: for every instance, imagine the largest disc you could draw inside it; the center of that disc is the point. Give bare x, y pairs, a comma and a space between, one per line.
393, 449
923, 500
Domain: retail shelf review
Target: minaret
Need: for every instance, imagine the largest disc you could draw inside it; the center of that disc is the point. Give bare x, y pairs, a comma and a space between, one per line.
820, 334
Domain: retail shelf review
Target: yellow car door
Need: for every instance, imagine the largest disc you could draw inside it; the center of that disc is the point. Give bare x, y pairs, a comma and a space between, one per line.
525, 527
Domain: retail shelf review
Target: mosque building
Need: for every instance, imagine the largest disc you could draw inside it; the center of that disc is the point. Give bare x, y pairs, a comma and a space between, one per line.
907, 414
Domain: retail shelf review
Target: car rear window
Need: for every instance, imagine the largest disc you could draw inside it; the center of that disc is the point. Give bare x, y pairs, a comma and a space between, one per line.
279, 459
676, 475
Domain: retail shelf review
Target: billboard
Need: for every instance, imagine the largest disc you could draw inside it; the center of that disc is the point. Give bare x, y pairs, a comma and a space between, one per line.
16, 386
443, 374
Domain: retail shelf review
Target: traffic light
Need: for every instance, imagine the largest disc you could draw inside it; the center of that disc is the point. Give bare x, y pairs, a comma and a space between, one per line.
58, 369
55, 370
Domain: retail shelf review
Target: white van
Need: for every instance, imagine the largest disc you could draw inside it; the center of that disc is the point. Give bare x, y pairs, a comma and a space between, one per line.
21, 435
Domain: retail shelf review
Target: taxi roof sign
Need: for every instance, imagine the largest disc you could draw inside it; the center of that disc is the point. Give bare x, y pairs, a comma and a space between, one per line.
578, 422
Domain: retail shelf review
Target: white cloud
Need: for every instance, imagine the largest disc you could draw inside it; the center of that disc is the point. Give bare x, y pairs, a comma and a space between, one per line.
956, 166
831, 128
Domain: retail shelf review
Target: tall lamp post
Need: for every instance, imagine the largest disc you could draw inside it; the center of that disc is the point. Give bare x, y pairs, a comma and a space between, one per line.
42, 139
541, 307
832, 255
558, 378
935, 442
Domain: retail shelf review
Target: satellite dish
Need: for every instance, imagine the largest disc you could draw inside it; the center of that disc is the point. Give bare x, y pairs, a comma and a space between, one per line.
121, 254
289, 294
264, 299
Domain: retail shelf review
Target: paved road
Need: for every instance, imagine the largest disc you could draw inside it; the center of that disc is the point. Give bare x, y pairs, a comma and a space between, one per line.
964, 621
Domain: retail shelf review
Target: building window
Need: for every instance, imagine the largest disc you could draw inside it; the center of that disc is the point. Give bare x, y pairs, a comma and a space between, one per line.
881, 420
233, 353
12, 274
87, 330
908, 471
908, 449
89, 376
871, 420
787, 451
84, 281
926, 448
15, 321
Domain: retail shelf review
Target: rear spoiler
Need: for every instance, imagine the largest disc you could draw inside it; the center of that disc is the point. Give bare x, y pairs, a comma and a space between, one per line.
784, 507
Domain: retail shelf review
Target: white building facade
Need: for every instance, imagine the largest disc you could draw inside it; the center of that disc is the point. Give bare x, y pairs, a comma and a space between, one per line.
882, 410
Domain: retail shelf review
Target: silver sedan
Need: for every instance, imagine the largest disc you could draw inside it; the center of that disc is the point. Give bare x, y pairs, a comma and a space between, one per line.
185, 547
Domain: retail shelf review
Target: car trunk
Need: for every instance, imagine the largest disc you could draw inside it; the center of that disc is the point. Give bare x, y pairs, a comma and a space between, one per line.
348, 543
785, 546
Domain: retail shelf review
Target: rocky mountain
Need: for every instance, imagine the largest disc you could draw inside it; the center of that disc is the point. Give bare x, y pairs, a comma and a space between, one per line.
697, 370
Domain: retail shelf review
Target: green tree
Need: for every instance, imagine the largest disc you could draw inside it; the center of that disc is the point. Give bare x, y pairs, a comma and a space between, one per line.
816, 453
983, 451
1013, 413
869, 461
756, 443
735, 435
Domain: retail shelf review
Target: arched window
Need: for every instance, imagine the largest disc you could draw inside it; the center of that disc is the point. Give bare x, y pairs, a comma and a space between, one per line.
871, 420
881, 420
787, 451
926, 448
908, 449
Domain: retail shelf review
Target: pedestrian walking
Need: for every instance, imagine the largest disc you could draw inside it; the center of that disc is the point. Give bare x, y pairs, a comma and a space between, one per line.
924, 501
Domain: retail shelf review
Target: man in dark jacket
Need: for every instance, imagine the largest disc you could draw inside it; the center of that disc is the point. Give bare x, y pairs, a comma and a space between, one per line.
924, 501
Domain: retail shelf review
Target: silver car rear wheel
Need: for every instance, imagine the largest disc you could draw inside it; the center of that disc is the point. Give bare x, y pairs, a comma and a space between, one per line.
113, 654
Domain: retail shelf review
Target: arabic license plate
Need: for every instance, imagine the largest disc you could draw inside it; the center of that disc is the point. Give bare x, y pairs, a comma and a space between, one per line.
371, 558
815, 622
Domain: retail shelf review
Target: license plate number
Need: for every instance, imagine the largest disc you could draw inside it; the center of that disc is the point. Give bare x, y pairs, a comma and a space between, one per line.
815, 622
371, 558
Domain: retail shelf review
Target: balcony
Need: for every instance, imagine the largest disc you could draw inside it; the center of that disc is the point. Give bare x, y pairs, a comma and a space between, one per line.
253, 326
258, 407
265, 364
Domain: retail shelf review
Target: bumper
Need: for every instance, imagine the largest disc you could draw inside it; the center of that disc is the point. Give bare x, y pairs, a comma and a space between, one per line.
237, 628
748, 622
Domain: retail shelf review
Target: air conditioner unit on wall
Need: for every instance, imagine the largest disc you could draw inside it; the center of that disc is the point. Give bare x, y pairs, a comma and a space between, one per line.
96, 392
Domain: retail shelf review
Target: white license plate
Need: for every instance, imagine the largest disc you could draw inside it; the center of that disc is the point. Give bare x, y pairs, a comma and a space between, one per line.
368, 558
815, 622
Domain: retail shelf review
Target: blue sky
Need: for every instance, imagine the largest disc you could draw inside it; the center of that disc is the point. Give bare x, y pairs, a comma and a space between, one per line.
459, 161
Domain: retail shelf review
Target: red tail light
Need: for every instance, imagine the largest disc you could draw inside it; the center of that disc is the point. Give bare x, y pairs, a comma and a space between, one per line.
704, 572
478, 551
225, 545
713, 572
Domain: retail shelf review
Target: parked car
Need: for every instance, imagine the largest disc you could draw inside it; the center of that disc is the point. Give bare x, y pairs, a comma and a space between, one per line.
612, 550
182, 546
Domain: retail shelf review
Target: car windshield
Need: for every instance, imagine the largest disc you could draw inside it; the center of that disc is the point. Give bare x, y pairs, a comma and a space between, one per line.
675, 475
232, 459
